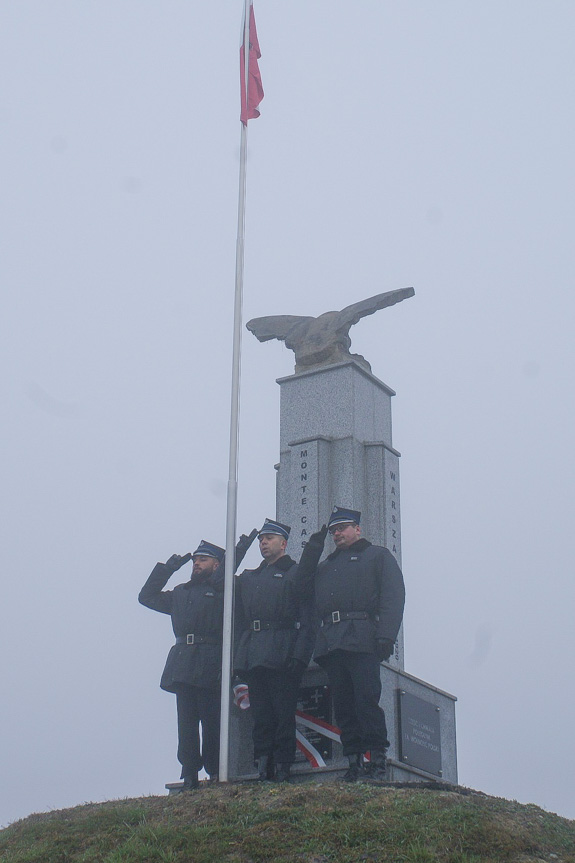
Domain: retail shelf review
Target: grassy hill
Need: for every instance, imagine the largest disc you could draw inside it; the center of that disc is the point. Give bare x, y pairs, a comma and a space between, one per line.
308, 823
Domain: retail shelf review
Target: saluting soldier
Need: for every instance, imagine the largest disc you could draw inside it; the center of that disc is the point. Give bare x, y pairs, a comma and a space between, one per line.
275, 634
359, 597
194, 663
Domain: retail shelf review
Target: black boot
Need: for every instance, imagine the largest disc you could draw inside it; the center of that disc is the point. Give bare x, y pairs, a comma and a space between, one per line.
376, 771
283, 772
356, 769
190, 782
266, 768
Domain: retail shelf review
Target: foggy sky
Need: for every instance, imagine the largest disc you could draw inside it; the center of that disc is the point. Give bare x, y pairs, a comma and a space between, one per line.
399, 144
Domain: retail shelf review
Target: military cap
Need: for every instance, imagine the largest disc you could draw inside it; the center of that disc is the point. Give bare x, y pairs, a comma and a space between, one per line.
339, 515
209, 550
271, 526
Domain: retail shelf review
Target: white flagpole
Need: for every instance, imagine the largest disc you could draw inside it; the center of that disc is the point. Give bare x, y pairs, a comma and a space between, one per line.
232, 497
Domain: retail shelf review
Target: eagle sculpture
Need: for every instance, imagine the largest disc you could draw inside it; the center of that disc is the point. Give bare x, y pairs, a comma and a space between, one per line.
324, 340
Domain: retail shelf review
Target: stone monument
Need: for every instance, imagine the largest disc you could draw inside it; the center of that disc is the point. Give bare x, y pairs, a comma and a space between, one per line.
336, 448
324, 340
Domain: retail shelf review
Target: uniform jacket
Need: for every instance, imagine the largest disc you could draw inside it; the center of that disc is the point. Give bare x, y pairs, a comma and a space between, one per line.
361, 578
196, 607
279, 595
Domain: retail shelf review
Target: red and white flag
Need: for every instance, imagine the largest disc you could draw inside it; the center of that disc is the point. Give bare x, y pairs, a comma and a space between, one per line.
255, 90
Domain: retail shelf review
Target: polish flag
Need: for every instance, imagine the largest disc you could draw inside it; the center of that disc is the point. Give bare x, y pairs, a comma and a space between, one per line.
255, 90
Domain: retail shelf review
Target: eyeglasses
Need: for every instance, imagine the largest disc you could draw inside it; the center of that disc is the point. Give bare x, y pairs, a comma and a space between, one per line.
335, 528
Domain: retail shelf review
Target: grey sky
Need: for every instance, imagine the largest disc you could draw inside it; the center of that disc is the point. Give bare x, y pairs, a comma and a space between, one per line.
413, 143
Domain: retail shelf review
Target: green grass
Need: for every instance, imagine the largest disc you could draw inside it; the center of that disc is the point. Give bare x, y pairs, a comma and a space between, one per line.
306, 823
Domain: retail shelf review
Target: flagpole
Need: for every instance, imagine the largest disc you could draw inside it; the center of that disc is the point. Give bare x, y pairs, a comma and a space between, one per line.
232, 495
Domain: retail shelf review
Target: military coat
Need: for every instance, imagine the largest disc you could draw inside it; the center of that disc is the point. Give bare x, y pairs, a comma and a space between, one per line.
362, 578
196, 608
274, 616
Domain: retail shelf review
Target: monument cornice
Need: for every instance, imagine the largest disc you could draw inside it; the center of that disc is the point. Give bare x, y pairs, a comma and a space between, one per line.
322, 369
384, 445
309, 439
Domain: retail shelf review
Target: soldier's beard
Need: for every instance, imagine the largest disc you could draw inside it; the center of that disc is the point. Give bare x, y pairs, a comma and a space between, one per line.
200, 574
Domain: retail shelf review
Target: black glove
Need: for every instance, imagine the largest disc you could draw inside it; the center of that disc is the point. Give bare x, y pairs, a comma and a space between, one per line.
318, 538
311, 553
296, 666
384, 649
243, 545
177, 560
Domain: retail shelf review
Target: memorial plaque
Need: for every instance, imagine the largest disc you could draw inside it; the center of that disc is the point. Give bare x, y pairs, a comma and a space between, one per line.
315, 702
420, 741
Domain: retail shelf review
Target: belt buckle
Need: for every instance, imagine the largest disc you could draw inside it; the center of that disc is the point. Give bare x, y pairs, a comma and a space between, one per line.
335, 617
190, 638
257, 625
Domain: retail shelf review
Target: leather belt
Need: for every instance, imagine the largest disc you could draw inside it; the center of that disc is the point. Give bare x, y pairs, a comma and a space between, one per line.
338, 616
261, 625
192, 638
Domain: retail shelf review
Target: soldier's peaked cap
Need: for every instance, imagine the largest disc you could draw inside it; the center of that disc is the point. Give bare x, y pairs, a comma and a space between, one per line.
271, 526
208, 549
339, 515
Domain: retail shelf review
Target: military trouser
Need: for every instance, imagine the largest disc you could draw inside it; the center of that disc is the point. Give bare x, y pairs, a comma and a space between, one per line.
273, 702
197, 704
355, 684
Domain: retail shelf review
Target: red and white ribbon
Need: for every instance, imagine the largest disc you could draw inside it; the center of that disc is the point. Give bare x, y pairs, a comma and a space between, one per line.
320, 726
313, 723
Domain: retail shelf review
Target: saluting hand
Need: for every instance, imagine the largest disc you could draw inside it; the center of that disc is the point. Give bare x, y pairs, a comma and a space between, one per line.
178, 560
318, 538
243, 545
244, 541
312, 552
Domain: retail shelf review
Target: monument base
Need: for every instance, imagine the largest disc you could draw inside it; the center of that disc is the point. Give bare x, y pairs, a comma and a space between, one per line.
420, 722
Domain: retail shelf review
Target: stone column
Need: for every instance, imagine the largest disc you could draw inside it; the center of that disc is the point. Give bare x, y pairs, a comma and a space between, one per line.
336, 449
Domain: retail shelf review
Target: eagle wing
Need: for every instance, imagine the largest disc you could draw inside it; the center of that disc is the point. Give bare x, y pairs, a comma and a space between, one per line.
274, 326
352, 314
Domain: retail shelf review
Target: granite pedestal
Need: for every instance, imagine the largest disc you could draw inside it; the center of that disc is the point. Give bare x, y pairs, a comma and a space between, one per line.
336, 449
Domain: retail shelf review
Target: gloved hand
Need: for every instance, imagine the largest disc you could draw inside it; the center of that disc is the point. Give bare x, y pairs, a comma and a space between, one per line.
318, 538
311, 553
295, 666
177, 560
243, 545
384, 649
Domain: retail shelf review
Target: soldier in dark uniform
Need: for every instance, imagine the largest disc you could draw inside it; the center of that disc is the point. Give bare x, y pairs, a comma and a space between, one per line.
359, 597
274, 642
194, 663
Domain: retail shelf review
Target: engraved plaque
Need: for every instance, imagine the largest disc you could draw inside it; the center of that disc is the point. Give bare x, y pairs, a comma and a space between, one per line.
420, 742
